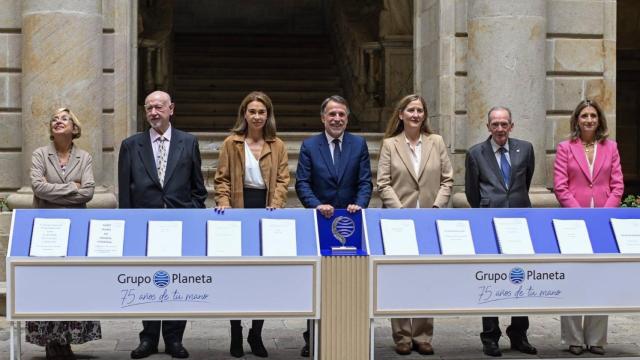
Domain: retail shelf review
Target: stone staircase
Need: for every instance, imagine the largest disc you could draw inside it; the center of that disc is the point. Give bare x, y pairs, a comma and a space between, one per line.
213, 73
210, 143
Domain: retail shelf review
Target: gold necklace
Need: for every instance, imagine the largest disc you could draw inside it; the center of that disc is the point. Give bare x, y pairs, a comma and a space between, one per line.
588, 147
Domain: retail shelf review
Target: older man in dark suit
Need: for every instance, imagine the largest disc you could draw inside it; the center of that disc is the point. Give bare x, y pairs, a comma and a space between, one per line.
498, 175
334, 170
160, 168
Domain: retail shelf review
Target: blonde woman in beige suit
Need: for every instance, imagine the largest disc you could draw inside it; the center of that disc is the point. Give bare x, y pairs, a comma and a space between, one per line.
61, 173
414, 171
61, 177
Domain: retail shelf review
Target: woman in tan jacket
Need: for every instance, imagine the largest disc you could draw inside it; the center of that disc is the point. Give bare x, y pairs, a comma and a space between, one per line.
414, 171
61, 177
252, 172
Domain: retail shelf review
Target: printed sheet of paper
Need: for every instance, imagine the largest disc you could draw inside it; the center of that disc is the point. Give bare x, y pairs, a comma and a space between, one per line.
165, 238
278, 237
399, 237
106, 238
573, 237
627, 232
513, 236
224, 238
455, 237
50, 237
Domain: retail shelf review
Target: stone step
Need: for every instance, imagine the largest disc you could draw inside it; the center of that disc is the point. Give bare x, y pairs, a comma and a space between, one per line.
278, 73
274, 51
277, 96
194, 83
219, 122
298, 62
213, 73
191, 40
232, 108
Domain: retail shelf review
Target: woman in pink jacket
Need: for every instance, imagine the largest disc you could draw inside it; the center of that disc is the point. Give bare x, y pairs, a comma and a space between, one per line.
587, 173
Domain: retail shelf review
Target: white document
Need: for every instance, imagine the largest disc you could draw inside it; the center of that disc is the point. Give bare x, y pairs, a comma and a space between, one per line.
224, 238
278, 237
399, 237
106, 238
50, 237
455, 237
573, 237
513, 236
165, 238
627, 232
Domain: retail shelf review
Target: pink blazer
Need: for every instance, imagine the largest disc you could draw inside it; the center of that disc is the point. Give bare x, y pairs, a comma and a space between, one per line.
572, 180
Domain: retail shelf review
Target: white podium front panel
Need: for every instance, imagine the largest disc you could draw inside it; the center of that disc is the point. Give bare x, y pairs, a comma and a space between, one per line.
428, 286
181, 288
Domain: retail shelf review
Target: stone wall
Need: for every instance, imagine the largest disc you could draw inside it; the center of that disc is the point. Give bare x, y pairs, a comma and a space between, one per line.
578, 55
24, 112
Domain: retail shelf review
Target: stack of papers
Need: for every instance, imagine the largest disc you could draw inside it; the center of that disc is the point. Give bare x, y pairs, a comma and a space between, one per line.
455, 237
399, 237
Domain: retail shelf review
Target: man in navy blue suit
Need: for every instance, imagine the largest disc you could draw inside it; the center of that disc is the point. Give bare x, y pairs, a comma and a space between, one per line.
334, 171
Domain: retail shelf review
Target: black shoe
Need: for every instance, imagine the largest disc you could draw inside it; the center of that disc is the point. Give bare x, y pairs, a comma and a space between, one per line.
143, 350
255, 343
304, 352
235, 349
176, 350
67, 352
522, 345
491, 348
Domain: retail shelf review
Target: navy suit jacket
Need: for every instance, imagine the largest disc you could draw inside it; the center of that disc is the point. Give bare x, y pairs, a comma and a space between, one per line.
319, 182
484, 184
138, 182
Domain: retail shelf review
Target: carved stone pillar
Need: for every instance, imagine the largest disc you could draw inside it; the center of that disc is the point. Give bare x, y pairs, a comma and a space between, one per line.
506, 67
61, 67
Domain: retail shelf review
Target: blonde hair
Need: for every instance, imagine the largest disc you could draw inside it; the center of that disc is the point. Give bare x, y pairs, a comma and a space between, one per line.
77, 127
269, 129
395, 126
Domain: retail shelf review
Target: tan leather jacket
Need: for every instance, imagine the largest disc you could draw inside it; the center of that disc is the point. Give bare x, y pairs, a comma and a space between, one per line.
229, 178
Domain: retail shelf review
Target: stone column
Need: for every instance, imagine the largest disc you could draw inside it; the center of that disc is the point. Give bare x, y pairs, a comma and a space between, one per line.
61, 67
506, 66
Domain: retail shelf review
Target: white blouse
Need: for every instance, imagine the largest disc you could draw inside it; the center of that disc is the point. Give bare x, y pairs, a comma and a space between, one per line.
252, 174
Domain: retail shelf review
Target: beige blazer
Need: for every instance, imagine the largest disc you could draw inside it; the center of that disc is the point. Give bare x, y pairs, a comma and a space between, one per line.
52, 189
398, 184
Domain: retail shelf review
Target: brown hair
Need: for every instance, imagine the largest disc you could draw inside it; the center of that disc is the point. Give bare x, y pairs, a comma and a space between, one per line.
77, 127
240, 127
602, 131
395, 126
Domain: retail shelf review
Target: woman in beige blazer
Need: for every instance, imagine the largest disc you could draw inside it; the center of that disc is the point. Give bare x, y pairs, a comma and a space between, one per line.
414, 171
61, 177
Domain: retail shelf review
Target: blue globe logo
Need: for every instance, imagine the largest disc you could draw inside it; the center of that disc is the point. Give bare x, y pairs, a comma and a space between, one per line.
516, 276
161, 278
342, 227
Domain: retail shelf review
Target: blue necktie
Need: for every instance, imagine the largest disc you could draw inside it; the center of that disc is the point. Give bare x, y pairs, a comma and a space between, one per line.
337, 153
504, 166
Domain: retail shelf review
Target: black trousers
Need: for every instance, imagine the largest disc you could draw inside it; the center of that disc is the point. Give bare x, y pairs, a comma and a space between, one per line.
253, 199
172, 331
491, 328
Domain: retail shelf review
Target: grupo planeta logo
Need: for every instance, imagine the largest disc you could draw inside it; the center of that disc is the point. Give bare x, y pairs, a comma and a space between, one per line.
342, 227
161, 278
516, 275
